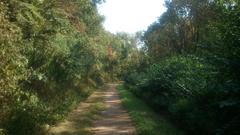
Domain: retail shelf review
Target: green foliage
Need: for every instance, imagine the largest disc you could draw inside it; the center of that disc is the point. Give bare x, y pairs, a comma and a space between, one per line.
53, 54
12, 62
186, 87
27, 116
175, 77
194, 57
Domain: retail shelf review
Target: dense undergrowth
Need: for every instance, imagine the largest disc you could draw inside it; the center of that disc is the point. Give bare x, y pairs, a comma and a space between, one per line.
191, 66
188, 89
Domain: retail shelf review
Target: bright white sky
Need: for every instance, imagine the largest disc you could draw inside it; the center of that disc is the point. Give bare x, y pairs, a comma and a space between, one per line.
130, 15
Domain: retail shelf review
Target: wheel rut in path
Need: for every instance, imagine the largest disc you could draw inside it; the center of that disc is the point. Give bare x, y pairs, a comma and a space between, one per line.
115, 119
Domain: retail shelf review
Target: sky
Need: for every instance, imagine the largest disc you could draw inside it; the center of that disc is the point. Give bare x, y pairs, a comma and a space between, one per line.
130, 15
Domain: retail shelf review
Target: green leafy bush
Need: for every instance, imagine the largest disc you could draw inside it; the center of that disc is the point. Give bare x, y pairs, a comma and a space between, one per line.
172, 78
189, 89
27, 116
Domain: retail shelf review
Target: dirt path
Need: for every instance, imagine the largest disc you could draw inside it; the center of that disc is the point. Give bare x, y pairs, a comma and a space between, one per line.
80, 120
87, 118
115, 120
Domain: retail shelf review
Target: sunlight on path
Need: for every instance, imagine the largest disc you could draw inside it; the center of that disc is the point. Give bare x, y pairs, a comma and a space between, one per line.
115, 120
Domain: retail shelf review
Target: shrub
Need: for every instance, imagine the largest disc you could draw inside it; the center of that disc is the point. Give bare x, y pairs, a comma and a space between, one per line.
172, 78
189, 89
27, 116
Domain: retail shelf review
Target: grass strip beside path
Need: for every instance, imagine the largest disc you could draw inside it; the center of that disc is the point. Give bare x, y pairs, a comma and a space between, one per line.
147, 122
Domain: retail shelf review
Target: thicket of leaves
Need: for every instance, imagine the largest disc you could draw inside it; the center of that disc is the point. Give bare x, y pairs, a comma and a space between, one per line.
52, 54
194, 54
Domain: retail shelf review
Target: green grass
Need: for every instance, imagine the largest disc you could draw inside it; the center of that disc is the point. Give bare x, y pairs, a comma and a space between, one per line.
147, 122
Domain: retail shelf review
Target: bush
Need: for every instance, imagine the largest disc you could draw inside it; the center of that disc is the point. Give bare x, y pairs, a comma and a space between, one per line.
189, 89
27, 116
172, 78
